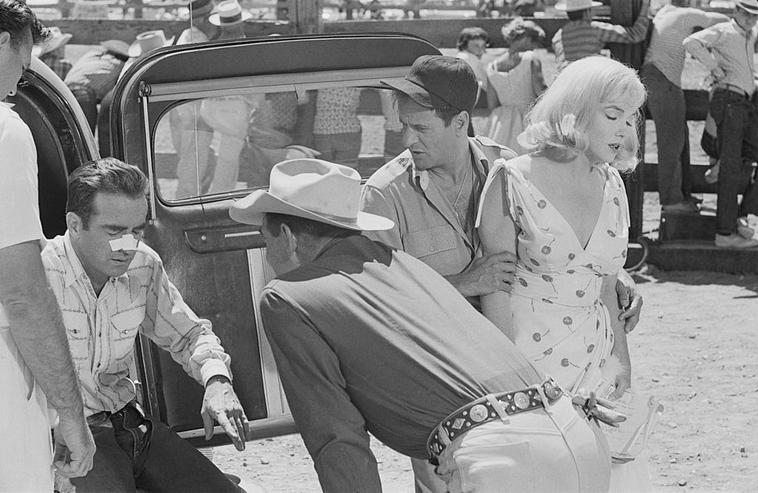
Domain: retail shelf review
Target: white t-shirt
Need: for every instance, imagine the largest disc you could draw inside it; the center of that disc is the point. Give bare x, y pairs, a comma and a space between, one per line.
19, 206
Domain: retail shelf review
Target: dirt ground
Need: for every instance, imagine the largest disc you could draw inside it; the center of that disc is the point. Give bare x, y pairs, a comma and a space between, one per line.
694, 349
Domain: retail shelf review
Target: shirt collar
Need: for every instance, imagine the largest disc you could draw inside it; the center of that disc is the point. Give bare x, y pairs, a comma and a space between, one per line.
74, 269
481, 165
740, 30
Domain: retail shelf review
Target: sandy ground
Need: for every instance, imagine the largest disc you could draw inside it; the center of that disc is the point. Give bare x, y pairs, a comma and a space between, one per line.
694, 349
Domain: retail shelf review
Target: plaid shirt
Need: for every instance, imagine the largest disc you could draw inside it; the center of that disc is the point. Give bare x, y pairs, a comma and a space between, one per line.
60, 66
579, 39
101, 329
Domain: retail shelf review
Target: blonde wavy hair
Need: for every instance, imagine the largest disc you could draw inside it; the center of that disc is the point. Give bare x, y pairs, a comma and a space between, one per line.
559, 121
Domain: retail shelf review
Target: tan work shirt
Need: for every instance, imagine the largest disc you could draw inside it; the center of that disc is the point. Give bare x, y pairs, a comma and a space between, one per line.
426, 225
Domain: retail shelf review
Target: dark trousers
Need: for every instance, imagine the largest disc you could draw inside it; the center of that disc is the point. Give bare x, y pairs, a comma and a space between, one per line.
667, 106
135, 451
737, 136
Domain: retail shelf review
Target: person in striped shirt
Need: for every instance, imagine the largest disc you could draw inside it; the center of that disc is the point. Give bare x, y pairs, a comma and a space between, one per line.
662, 75
581, 36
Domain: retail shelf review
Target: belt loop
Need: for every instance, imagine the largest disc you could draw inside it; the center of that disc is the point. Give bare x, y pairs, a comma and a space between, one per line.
498, 407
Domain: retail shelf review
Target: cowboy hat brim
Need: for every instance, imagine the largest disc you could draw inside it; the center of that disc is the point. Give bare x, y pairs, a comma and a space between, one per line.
251, 209
116, 46
564, 7
135, 49
215, 19
52, 45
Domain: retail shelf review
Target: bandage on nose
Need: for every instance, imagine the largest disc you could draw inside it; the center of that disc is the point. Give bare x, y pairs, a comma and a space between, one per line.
126, 242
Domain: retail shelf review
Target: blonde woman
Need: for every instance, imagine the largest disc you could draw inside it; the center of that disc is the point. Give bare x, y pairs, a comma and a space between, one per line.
562, 209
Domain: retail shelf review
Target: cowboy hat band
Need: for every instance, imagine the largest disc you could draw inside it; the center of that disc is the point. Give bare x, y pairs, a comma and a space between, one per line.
750, 6
312, 189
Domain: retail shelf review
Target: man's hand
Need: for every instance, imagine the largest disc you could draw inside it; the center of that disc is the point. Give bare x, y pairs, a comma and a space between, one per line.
221, 404
630, 301
718, 74
486, 275
74, 445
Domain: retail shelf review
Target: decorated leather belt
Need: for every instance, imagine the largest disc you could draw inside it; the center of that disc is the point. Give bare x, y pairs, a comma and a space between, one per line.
483, 410
731, 88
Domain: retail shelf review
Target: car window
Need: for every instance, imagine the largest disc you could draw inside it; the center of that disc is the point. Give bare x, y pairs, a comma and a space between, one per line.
217, 144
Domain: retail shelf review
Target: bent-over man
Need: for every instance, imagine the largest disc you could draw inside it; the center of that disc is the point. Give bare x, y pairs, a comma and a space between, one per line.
370, 339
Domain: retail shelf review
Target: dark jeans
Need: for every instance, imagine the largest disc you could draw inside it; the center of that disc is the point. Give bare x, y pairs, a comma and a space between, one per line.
666, 103
135, 451
737, 135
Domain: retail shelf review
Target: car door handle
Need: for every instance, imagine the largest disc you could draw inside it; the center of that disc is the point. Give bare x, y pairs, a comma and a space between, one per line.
223, 239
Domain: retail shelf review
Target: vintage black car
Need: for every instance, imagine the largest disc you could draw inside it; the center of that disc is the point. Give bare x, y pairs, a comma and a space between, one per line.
253, 100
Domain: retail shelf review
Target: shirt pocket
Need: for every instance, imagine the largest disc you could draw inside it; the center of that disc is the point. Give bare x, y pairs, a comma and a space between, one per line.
125, 326
439, 248
77, 330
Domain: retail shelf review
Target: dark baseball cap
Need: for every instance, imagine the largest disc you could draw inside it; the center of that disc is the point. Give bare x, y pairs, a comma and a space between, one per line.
435, 81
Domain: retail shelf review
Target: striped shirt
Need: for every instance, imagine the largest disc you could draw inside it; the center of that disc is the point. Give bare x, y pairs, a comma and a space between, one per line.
579, 39
729, 47
670, 26
98, 70
101, 329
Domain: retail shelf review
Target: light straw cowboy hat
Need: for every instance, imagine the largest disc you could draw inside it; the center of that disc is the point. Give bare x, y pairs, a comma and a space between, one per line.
228, 13
748, 5
312, 189
574, 5
55, 41
116, 46
149, 41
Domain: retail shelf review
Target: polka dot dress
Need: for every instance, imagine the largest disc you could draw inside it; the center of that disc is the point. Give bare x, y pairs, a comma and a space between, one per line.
559, 320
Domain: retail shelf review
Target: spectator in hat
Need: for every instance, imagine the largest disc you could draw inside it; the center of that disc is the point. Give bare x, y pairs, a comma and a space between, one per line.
472, 45
722, 50
144, 43
201, 29
190, 135
515, 81
581, 36
230, 18
95, 74
53, 52
368, 339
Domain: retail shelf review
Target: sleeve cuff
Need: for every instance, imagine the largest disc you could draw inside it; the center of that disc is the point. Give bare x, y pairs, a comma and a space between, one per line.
214, 367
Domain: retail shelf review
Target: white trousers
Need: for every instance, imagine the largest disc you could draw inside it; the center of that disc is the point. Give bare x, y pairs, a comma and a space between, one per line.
26, 459
545, 450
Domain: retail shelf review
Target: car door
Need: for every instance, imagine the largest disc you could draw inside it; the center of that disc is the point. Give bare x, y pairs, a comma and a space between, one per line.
206, 122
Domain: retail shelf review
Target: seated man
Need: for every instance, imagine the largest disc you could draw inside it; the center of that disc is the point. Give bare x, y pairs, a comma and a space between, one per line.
110, 287
370, 339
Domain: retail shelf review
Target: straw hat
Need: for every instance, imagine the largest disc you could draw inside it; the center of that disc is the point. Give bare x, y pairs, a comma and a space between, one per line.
55, 41
573, 5
149, 41
313, 189
228, 13
748, 5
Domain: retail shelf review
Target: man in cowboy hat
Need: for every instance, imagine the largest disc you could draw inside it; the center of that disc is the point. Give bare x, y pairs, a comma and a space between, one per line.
432, 190
95, 74
581, 36
53, 52
36, 368
722, 50
201, 29
370, 339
